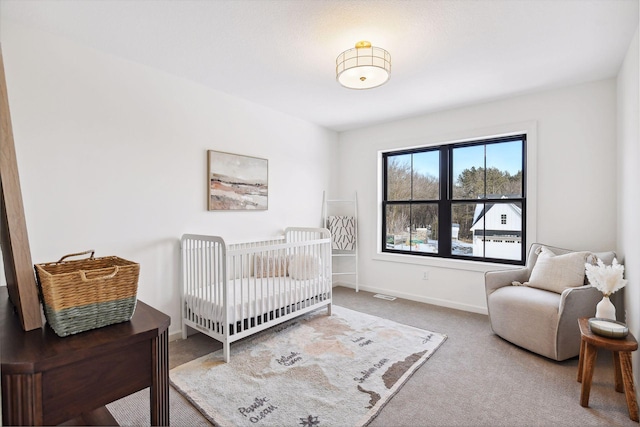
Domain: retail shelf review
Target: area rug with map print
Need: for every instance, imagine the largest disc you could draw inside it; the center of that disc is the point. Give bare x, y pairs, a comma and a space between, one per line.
315, 370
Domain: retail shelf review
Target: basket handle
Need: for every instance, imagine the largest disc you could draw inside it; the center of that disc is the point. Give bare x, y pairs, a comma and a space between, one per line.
83, 275
90, 251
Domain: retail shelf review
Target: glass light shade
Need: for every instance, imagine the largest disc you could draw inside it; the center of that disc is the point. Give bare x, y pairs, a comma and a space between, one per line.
363, 67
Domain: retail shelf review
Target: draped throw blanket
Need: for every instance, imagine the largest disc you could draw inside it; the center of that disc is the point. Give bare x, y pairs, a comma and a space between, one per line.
343, 232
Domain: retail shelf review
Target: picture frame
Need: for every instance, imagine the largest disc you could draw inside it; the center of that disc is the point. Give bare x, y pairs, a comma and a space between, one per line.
236, 182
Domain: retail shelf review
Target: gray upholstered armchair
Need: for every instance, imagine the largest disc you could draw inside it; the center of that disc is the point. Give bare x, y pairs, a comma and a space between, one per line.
539, 320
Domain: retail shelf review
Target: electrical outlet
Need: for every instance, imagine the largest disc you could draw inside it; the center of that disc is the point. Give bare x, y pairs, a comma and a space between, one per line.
425, 275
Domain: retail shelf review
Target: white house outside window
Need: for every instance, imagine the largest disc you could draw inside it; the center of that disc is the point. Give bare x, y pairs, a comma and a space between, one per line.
462, 200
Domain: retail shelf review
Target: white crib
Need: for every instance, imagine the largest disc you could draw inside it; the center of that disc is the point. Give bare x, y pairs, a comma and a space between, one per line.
232, 291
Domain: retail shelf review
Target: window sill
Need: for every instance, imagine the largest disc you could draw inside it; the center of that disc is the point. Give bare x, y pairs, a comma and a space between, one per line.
453, 264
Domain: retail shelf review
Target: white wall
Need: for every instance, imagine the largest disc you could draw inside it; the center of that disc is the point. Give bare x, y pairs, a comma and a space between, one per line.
112, 156
575, 180
628, 188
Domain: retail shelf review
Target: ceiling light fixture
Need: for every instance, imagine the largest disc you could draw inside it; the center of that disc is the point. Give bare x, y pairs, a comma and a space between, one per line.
363, 67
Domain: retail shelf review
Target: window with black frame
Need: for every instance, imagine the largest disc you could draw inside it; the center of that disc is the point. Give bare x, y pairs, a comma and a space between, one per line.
460, 200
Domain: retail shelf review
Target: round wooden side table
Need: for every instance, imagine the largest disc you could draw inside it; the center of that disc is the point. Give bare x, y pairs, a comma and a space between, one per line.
621, 348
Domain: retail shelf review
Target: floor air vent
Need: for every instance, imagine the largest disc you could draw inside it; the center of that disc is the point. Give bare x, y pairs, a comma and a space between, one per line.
387, 297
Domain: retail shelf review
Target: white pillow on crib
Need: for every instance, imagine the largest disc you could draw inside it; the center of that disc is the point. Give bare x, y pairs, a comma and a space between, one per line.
303, 267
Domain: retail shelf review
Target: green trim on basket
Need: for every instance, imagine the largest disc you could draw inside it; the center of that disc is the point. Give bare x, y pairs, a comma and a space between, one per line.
74, 320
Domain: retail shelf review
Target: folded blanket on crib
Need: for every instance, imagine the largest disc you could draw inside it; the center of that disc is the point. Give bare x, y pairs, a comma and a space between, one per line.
343, 232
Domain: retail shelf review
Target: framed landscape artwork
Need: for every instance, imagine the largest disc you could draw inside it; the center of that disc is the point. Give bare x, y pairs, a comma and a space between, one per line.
237, 182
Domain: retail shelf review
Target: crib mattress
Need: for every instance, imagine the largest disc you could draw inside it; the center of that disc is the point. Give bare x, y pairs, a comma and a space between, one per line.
252, 297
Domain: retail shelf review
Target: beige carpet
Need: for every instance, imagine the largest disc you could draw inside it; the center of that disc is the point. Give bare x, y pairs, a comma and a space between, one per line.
312, 371
475, 379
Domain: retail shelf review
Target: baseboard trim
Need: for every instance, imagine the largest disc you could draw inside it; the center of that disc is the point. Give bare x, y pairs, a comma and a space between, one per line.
175, 336
418, 298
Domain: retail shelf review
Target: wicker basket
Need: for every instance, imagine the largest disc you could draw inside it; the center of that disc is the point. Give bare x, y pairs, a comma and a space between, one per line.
86, 294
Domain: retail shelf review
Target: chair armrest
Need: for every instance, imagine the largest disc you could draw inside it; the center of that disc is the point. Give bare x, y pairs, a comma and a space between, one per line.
574, 303
581, 301
496, 279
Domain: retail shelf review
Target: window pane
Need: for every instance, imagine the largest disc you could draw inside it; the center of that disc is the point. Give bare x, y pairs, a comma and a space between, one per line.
397, 232
483, 197
399, 177
503, 240
504, 169
468, 172
426, 175
424, 228
495, 230
462, 228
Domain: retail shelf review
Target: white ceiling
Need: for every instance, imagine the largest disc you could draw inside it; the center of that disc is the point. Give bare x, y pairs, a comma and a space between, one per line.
281, 53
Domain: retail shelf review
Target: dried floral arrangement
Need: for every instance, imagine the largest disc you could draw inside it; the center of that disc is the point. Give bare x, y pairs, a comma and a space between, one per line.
606, 278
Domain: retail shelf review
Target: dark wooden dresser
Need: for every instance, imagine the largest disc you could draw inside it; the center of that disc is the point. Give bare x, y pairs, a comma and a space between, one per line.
49, 380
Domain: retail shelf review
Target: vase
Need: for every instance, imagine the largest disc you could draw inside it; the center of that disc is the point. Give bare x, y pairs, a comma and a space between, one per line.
605, 309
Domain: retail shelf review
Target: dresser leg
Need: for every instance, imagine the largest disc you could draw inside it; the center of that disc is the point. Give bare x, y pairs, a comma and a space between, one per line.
160, 381
22, 400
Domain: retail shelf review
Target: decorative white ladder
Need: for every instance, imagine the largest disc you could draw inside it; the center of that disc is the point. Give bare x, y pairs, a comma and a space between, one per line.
343, 207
